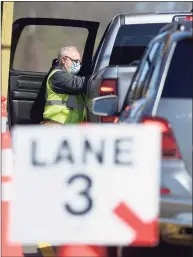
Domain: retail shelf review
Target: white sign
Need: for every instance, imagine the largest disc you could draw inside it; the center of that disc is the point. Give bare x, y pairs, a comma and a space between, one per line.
96, 184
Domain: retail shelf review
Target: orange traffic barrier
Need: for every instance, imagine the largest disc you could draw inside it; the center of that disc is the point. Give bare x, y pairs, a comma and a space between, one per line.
7, 249
81, 250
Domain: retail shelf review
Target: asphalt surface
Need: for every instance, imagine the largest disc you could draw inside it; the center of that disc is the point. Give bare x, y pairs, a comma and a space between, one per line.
163, 250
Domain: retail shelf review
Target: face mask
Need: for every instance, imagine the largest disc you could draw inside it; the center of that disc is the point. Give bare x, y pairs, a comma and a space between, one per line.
75, 67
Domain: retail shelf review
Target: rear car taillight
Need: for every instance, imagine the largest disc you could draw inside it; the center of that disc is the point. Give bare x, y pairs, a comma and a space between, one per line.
181, 18
188, 18
170, 148
108, 87
165, 191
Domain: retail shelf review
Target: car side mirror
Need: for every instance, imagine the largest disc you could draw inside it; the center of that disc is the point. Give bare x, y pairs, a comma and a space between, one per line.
105, 105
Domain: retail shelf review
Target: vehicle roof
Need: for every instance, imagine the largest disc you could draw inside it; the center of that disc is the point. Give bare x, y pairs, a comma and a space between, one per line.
155, 17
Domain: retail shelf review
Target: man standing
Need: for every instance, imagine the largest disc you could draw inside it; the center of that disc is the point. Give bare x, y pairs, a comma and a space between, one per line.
65, 101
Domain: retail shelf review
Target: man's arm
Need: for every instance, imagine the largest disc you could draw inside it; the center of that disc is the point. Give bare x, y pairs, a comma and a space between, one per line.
66, 83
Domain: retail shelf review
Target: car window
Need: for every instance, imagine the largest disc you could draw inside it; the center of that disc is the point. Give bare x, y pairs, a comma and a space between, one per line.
148, 64
131, 42
148, 85
152, 81
39, 45
145, 67
179, 79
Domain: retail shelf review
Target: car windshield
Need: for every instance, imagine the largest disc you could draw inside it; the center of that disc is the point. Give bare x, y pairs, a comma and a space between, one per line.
131, 42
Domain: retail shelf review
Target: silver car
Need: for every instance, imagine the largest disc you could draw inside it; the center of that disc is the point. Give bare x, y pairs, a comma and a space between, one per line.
161, 93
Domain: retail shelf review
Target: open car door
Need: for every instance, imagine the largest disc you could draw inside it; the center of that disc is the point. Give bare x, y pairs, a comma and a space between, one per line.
35, 43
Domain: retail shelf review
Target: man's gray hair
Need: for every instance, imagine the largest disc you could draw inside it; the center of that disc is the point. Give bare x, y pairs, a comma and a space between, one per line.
64, 52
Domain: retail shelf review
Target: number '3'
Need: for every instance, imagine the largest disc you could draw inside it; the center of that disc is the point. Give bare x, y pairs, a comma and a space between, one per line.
83, 193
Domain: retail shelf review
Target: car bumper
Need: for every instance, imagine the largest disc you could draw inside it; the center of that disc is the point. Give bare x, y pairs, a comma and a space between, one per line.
176, 221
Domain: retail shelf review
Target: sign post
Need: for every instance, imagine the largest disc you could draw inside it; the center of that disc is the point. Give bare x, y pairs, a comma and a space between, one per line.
94, 185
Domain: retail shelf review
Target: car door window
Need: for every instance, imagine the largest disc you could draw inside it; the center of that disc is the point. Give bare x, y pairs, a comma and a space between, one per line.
153, 72
144, 69
132, 89
153, 79
36, 42
179, 79
148, 63
39, 45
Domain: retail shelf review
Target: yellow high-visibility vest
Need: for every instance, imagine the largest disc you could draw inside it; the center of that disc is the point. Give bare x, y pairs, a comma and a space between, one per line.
63, 108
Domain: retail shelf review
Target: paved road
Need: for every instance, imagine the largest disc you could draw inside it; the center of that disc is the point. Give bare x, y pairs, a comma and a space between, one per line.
163, 250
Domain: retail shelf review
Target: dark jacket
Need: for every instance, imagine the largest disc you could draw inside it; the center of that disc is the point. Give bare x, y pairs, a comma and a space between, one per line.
63, 83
